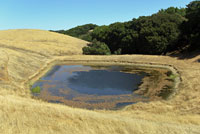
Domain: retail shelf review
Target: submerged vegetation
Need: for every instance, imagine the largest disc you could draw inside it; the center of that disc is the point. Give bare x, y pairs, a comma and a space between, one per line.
36, 89
166, 92
158, 84
173, 77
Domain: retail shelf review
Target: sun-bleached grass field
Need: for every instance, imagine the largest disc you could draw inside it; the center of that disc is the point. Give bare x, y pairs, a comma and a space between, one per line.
27, 54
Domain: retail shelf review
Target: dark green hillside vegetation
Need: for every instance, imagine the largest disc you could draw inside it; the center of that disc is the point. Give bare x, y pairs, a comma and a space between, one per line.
165, 31
154, 34
174, 10
82, 32
191, 28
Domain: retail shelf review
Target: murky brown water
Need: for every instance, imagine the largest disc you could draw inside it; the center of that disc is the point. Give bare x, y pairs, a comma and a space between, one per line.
91, 87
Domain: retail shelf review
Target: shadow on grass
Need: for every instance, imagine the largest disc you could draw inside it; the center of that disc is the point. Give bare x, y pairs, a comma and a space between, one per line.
186, 55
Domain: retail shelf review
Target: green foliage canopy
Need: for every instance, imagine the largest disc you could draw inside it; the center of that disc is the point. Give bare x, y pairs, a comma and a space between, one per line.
154, 34
191, 27
159, 33
82, 32
96, 48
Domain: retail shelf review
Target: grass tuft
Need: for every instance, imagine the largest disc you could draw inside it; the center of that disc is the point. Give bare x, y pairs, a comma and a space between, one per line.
172, 76
36, 89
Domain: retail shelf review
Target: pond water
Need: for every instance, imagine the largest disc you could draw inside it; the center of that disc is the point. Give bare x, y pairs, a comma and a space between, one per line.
90, 87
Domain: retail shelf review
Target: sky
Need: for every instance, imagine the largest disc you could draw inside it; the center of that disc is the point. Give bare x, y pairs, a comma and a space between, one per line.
65, 14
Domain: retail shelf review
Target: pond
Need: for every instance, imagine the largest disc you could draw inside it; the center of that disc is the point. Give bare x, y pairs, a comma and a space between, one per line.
90, 87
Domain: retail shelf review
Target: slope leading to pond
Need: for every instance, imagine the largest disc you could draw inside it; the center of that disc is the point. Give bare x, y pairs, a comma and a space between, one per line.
27, 54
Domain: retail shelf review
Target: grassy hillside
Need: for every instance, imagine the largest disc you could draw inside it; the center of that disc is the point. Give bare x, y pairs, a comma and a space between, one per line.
41, 42
27, 54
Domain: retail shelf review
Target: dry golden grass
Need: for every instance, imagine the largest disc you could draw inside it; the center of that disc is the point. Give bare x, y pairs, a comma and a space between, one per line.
44, 43
27, 54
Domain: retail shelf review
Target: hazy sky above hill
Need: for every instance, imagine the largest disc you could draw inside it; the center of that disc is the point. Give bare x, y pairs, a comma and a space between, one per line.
65, 14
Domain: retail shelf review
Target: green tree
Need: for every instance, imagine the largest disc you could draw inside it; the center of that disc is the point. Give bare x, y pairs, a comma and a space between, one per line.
191, 27
100, 33
96, 48
174, 10
117, 36
158, 33
155, 34
82, 32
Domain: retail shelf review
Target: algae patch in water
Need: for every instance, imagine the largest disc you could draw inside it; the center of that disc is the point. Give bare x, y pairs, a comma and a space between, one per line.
36, 89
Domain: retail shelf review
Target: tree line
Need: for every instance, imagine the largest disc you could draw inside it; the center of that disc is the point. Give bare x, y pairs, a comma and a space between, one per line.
167, 30
82, 32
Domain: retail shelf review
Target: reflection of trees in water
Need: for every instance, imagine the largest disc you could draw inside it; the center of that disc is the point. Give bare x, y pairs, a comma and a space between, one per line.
103, 82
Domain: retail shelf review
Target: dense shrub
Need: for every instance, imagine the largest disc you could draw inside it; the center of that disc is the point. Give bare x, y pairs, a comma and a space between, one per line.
96, 48
191, 27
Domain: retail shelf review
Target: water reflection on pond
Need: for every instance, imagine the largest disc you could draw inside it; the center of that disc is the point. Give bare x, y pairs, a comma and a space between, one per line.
91, 87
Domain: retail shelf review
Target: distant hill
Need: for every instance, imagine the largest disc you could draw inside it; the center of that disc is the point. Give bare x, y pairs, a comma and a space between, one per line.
82, 32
